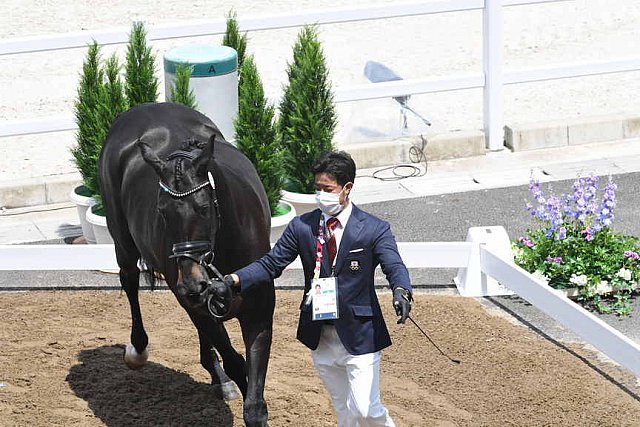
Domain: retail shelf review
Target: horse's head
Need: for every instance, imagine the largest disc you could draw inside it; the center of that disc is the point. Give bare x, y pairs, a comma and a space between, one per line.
187, 202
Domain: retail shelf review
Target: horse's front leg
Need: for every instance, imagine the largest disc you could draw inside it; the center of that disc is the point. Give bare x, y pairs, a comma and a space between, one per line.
223, 387
257, 335
213, 336
136, 353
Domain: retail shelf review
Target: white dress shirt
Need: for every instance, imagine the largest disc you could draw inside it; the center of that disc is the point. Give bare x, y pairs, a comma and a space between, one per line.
342, 217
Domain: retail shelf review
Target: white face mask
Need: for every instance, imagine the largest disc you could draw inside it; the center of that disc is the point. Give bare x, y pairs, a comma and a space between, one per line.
329, 203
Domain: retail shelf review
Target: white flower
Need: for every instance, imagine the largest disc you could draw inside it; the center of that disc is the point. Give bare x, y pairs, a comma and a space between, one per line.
517, 252
540, 276
603, 287
580, 280
625, 274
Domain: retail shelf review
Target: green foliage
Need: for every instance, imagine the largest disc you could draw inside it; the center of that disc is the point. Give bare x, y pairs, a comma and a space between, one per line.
232, 38
141, 83
88, 118
581, 251
100, 99
115, 101
307, 116
180, 92
256, 134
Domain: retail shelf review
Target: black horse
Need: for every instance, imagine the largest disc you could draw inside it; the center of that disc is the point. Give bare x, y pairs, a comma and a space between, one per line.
181, 200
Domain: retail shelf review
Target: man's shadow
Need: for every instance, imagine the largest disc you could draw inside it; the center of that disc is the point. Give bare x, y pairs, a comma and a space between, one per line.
152, 396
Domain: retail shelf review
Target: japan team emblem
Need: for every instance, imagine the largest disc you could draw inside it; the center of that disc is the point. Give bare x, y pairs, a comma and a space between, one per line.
355, 265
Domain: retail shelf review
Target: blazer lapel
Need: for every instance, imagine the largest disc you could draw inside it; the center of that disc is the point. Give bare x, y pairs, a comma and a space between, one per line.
351, 232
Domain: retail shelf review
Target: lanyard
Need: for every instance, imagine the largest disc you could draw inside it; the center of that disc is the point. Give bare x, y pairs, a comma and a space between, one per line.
319, 244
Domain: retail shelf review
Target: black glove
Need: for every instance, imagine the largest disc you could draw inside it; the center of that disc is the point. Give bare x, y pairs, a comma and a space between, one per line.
220, 296
402, 303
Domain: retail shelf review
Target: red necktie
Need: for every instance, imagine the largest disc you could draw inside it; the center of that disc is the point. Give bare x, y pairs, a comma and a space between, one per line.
332, 223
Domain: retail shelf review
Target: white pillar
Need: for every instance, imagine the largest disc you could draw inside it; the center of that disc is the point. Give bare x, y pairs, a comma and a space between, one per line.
492, 34
471, 281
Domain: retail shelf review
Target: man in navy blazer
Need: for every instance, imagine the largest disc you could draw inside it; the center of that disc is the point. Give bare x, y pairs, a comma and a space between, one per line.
346, 343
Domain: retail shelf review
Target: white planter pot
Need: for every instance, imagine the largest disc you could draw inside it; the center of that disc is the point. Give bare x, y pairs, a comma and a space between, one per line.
279, 223
83, 204
100, 230
302, 203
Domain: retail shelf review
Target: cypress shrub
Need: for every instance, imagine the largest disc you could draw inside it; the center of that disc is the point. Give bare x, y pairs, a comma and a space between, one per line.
256, 134
232, 38
99, 100
89, 120
307, 115
180, 92
115, 101
141, 83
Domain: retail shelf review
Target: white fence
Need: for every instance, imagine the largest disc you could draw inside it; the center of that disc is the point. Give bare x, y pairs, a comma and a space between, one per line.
463, 255
492, 80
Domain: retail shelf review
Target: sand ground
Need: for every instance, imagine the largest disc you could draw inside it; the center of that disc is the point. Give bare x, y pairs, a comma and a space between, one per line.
61, 364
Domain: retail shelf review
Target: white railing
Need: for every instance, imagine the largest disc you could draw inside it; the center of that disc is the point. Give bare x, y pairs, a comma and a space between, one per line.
462, 255
492, 79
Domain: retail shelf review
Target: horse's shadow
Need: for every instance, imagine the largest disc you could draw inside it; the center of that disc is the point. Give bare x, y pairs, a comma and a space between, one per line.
152, 396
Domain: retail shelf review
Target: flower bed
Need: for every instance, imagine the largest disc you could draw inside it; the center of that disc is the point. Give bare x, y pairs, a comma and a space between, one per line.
573, 245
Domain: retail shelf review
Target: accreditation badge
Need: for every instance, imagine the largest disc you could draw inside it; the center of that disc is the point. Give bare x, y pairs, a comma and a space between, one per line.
325, 298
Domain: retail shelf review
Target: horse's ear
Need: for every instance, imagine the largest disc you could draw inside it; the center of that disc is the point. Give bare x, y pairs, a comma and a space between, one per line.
150, 157
201, 163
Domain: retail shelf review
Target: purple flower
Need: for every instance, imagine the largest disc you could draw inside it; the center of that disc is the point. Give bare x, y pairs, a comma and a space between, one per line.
631, 254
607, 206
528, 243
583, 199
554, 260
588, 232
561, 234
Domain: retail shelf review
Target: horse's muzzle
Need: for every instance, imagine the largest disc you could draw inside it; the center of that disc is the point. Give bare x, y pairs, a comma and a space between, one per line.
222, 301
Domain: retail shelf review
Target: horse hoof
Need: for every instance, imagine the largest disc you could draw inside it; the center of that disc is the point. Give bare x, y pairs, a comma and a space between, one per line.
133, 359
226, 391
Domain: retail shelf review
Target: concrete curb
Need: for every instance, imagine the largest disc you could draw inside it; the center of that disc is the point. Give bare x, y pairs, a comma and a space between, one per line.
560, 133
37, 191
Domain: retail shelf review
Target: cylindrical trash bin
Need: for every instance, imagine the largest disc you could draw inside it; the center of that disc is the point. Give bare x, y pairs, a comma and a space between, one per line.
214, 81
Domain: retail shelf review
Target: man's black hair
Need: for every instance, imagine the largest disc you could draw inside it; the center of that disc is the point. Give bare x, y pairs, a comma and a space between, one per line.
337, 164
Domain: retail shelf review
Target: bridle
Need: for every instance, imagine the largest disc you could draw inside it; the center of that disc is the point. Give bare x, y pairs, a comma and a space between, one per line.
199, 251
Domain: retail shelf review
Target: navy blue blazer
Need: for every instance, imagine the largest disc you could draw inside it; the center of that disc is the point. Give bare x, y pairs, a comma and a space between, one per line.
366, 242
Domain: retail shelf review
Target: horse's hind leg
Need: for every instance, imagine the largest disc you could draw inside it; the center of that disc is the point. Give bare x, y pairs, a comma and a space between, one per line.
136, 353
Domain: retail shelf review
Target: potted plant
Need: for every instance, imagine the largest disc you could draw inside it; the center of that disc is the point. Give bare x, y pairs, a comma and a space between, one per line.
256, 138
86, 152
575, 249
112, 102
307, 119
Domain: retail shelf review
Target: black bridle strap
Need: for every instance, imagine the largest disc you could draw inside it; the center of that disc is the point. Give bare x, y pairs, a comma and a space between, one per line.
191, 248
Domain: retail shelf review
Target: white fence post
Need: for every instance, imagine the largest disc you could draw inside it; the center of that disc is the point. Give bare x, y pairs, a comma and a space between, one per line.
492, 45
470, 280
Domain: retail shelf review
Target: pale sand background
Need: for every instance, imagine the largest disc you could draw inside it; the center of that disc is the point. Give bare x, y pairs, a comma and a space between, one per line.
43, 84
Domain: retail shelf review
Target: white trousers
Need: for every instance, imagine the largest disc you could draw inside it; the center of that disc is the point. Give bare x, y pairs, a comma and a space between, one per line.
352, 381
